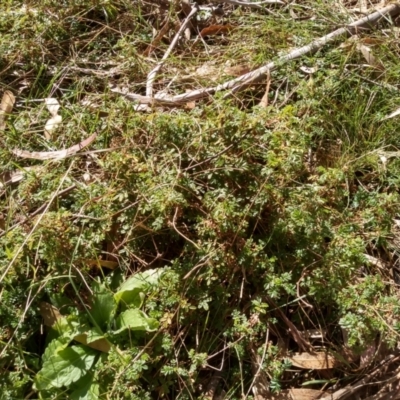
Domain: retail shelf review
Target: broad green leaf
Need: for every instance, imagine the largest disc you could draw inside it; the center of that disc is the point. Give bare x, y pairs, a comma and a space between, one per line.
65, 367
54, 347
62, 326
93, 335
69, 326
60, 335
103, 306
86, 389
136, 320
131, 291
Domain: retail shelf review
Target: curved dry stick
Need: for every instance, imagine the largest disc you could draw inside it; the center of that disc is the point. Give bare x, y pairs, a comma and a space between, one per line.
250, 78
152, 75
248, 4
54, 155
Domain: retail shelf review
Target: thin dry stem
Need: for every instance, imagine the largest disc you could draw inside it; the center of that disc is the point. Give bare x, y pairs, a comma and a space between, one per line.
153, 73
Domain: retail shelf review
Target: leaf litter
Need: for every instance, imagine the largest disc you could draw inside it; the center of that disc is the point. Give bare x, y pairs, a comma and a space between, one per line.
168, 99
53, 106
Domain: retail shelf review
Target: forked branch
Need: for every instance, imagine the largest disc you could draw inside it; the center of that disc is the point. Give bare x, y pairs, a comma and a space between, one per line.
255, 76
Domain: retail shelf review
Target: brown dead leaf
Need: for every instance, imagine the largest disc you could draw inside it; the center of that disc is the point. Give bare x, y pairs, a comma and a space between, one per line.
369, 57
313, 361
6, 106
237, 70
51, 125
102, 263
187, 33
372, 41
264, 101
49, 313
216, 30
52, 105
55, 155
2, 222
294, 394
305, 394
190, 105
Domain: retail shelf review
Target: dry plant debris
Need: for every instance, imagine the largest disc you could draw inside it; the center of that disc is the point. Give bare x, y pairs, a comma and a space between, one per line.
238, 239
53, 106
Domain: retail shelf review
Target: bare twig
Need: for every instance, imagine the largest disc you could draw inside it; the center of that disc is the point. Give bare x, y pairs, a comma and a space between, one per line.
179, 232
350, 390
245, 3
390, 389
54, 155
302, 342
152, 75
201, 263
260, 384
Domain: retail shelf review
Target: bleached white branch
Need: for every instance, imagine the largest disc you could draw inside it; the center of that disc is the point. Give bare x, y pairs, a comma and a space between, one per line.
255, 76
250, 78
258, 4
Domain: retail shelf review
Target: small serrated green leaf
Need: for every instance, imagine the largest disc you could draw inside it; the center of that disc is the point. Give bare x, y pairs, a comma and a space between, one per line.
54, 347
69, 327
136, 320
65, 367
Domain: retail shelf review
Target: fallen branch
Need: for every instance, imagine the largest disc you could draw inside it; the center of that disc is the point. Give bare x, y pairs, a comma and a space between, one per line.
245, 3
54, 155
255, 76
152, 75
146, 99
